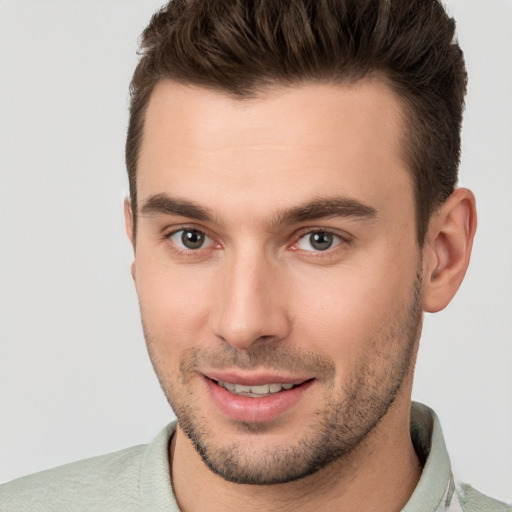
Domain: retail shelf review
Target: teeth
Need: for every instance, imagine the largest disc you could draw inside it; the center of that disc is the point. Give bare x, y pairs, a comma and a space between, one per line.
258, 390
229, 386
254, 391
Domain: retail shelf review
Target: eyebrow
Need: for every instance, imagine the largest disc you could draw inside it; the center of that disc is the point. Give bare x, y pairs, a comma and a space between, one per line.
325, 208
164, 205
318, 208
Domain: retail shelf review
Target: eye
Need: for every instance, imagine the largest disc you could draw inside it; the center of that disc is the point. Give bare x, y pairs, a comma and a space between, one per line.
190, 239
318, 241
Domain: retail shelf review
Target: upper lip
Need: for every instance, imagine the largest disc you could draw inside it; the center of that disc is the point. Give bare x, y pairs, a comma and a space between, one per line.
253, 378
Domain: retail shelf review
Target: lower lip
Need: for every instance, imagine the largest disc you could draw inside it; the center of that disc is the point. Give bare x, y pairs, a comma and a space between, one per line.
255, 410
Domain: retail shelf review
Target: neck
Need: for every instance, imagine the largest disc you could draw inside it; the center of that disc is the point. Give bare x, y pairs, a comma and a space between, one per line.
379, 475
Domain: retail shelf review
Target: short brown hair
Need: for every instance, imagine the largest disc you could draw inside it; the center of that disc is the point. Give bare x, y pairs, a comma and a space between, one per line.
241, 47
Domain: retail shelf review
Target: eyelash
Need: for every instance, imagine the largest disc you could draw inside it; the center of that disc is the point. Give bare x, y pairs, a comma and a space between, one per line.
343, 241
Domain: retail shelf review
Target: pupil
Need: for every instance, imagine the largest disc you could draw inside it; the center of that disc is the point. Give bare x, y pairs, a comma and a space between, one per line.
321, 241
192, 239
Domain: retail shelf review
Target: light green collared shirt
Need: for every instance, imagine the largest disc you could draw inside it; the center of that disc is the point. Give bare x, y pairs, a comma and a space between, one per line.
137, 480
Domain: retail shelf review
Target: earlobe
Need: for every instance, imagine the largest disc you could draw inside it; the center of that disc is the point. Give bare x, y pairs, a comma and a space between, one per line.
448, 249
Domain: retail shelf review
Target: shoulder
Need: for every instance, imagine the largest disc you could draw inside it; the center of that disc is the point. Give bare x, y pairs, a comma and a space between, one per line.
472, 500
89, 484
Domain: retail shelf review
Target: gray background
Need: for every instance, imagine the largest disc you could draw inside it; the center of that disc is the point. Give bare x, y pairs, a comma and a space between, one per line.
75, 380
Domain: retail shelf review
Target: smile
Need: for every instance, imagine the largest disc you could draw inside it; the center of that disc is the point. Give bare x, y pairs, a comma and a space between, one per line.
255, 391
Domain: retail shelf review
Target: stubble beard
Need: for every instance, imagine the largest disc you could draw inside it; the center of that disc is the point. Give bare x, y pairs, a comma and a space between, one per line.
349, 415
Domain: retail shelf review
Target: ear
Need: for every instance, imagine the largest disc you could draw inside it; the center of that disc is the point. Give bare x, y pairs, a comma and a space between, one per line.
129, 227
128, 220
447, 249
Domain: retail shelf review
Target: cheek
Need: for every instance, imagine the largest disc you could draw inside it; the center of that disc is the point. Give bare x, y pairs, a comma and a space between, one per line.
346, 310
174, 302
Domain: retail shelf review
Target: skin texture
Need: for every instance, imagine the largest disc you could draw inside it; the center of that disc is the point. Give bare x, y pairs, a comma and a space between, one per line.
256, 297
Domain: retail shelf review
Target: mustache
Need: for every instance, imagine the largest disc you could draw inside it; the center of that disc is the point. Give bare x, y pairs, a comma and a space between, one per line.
268, 356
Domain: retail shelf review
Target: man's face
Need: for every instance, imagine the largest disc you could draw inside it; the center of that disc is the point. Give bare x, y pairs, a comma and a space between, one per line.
277, 270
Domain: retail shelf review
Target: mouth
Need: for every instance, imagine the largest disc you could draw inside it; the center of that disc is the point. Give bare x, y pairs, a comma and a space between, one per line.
255, 399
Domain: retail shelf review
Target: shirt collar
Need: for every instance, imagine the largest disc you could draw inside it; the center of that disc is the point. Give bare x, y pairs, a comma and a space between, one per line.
435, 490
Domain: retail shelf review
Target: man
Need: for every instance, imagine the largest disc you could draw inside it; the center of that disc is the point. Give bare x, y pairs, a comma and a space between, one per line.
293, 212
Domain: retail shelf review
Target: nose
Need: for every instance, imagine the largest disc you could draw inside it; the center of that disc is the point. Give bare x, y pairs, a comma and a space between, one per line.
251, 304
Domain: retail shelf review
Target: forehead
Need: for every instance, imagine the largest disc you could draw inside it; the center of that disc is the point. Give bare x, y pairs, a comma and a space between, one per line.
286, 144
